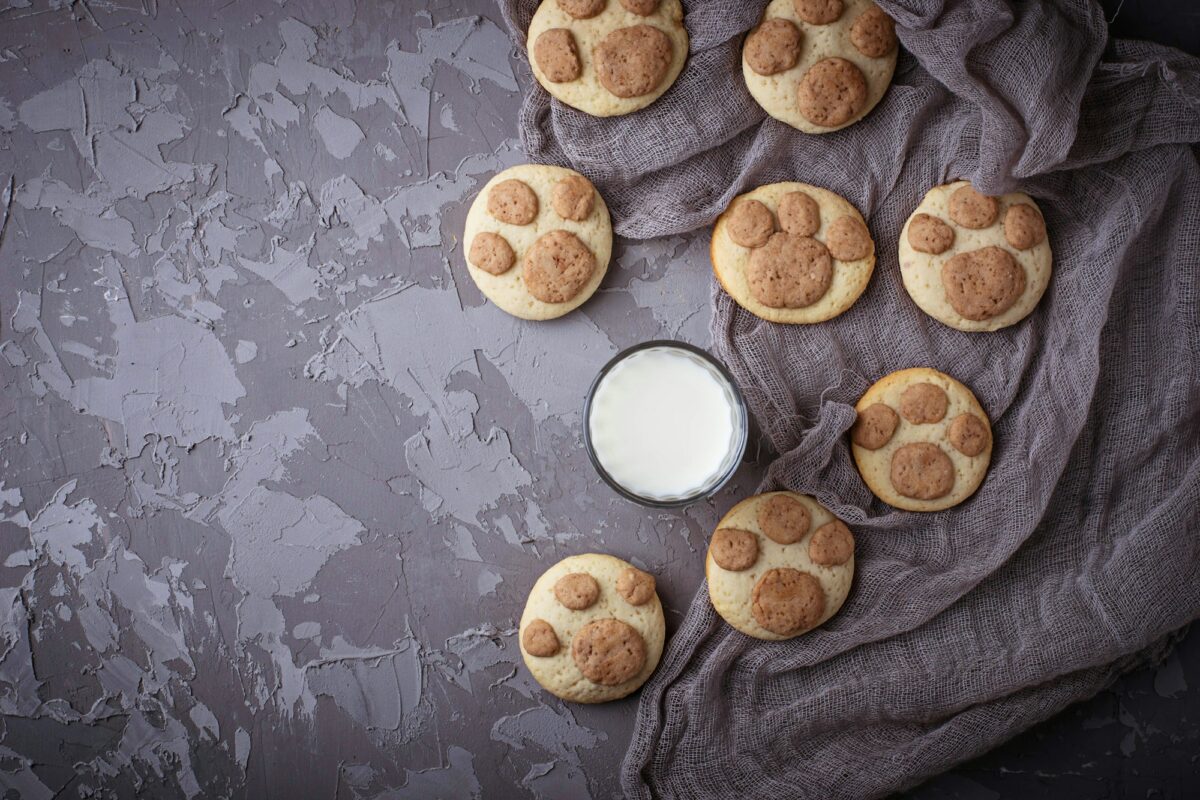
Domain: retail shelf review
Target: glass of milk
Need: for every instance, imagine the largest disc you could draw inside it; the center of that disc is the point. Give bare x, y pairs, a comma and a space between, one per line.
664, 424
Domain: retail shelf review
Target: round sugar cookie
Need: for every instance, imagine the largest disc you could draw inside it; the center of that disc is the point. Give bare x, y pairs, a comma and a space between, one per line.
921, 441
779, 564
593, 628
820, 65
607, 57
538, 240
791, 279
973, 262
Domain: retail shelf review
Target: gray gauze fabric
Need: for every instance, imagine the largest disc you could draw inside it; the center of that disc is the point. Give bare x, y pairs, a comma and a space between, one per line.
1079, 555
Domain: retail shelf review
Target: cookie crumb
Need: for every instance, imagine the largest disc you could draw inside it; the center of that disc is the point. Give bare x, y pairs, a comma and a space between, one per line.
631, 62
831, 545
928, 234
848, 239
608, 651
557, 56
573, 198
923, 403
582, 9
491, 253
875, 426
818, 12
750, 223
969, 435
539, 639
832, 92
922, 471
636, 586
734, 549
799, 214
773, 47
783, 519
981, 284
512, 201
1023, 226
874, 33
557, 267
643, 8
789, 271
971, 209
577, 591
787, 601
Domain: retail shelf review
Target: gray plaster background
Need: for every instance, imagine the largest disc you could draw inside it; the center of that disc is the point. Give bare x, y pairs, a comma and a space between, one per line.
274, 479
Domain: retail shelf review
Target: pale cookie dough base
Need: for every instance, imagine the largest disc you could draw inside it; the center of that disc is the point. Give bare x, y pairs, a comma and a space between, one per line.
731, 261
875, 466
922, 272
732, 592
777, 93
508, 291
586, 93
558, 674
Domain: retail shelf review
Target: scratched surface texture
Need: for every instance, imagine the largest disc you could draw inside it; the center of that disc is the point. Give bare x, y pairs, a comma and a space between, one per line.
274, 478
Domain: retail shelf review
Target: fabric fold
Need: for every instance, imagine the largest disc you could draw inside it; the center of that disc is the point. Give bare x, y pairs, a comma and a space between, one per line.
1075, 561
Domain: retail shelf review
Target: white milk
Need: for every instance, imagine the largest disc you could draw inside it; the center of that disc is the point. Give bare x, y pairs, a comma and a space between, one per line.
664, 424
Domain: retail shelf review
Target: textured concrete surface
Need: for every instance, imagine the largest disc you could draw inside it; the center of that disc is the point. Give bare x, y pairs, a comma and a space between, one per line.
274, 478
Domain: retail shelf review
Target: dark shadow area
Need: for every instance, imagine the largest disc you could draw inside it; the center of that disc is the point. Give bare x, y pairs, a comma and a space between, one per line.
1173, 22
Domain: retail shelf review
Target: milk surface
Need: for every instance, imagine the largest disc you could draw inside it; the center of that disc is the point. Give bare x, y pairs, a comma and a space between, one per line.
663, 423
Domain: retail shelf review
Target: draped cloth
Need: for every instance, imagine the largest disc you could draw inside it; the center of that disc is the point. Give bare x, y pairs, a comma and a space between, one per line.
1078, 558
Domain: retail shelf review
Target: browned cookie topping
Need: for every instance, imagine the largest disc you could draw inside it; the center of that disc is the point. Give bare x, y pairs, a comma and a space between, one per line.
631, 62
928, 234
750, 223
577, 591
922, 471
874, 33
981, 284
582, 9
790, 271
783, 519
608, 651
573, 197
787, 601
799, 214
539, 639
773, 47
831, 545
818, 12
635, 586
1023, 226
923, 403
643, 8
832, 92
557, 55
557, 267
734, 549
491, 252
848, 239
512, 201
875, 426
971, 209
969, 435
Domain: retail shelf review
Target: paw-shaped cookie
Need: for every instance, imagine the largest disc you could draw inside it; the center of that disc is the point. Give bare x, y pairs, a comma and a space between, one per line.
593, 628
538, 240
607, 57
974, 262
790, 252
820, 65
779, 564
921, 441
